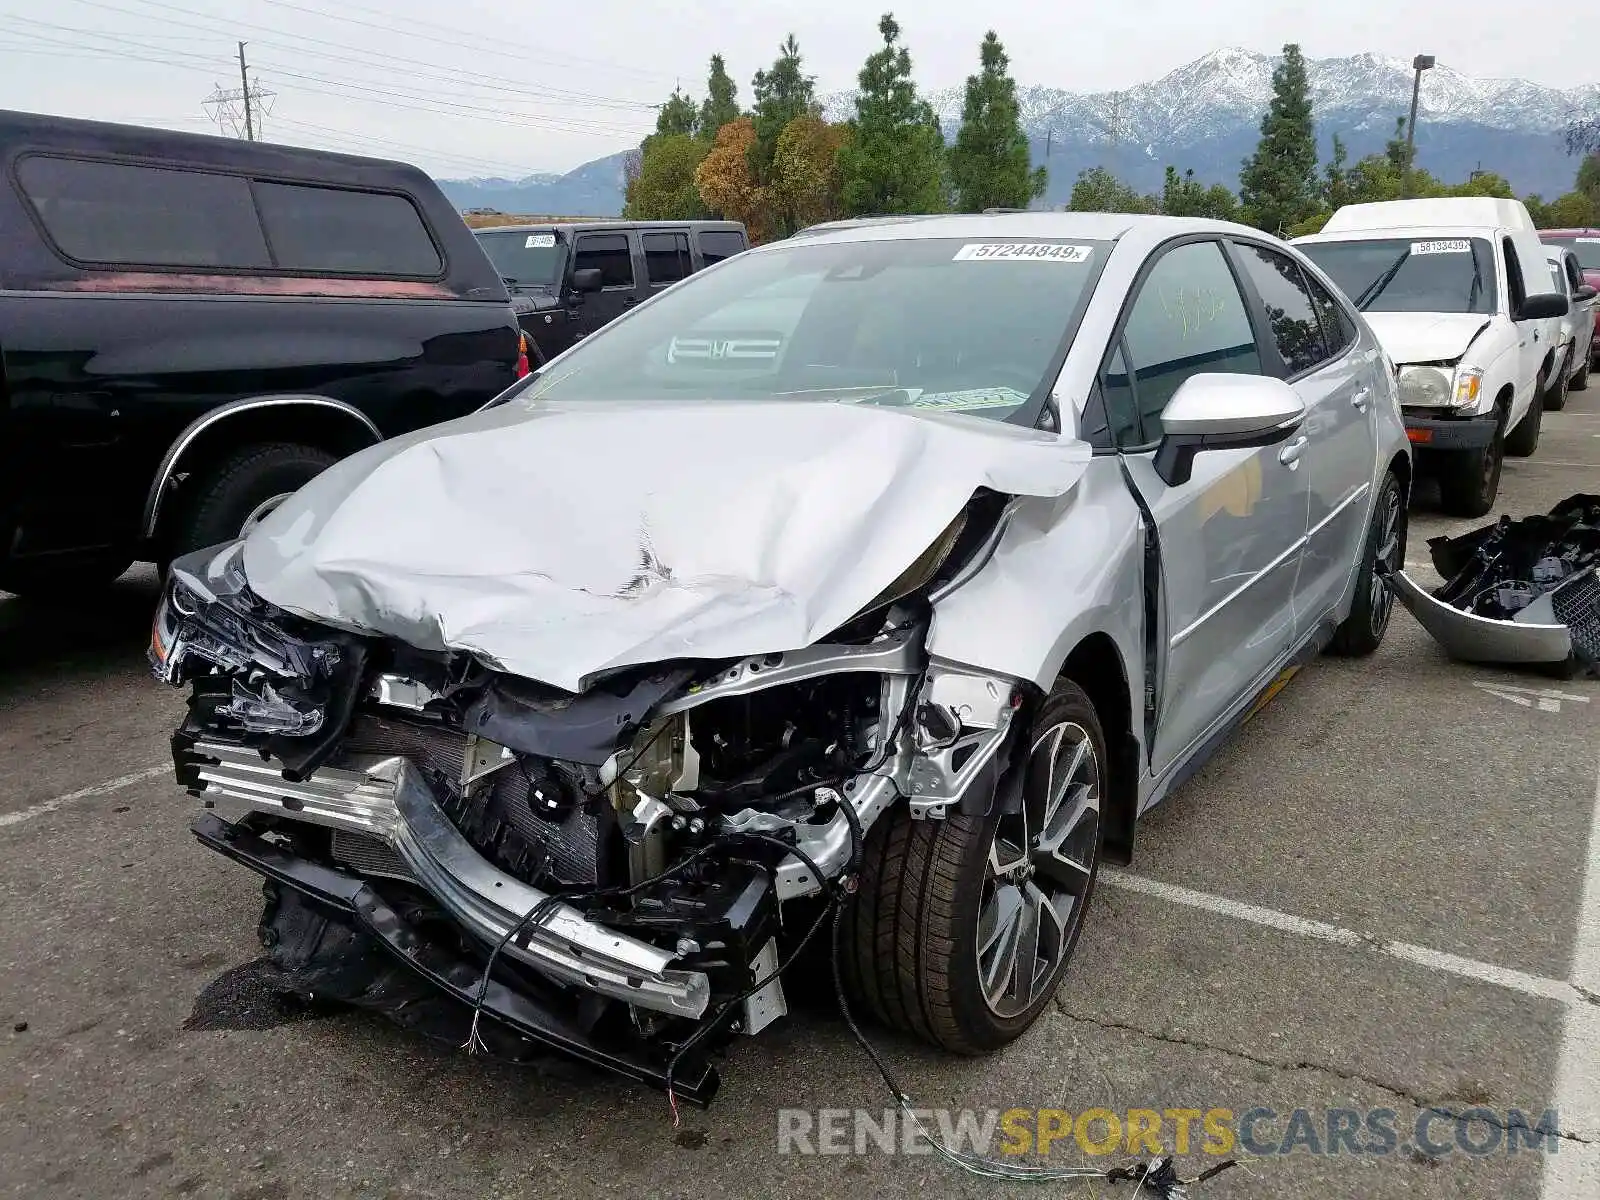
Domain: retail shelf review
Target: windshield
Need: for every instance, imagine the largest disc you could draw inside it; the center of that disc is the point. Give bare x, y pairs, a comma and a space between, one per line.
1434, 275
948, 324
522, 258
1586, 248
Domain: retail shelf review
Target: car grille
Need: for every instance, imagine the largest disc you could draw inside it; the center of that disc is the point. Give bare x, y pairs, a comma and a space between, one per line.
1577, 606
497, 818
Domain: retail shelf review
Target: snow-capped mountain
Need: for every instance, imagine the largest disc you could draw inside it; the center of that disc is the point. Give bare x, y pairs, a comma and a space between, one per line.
1212, 94
1205, 116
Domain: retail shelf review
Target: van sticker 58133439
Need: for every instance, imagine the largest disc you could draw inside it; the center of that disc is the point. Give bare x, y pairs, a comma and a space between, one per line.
539, 241
1032, 251
1443, 246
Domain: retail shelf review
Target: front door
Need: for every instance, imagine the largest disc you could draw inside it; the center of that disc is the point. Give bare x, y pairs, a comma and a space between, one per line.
1315, 342
1231, 536
612, 255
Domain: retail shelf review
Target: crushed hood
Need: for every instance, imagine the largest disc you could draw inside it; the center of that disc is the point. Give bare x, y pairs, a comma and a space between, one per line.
1425, 337
561, 541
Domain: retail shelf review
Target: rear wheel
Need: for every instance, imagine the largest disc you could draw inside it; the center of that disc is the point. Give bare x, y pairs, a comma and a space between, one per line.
962, 929
1383, 554
239, 492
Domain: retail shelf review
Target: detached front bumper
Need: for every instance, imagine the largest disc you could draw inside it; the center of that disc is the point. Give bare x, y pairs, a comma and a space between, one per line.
1468, 637
1450, 433
386, 821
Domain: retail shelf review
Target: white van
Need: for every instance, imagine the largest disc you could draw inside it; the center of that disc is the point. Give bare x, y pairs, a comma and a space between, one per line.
1460, 295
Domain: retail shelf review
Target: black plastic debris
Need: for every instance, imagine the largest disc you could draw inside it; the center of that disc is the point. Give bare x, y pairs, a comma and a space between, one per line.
1540, 572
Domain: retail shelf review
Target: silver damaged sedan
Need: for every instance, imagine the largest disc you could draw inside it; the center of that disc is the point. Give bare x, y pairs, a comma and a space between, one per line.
882, 577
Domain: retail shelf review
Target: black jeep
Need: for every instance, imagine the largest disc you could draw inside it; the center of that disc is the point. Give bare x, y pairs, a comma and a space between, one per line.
569, 278
192, 327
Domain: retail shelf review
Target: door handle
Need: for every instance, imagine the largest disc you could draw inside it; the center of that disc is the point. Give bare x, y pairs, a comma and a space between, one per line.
1289, 456
1361, 399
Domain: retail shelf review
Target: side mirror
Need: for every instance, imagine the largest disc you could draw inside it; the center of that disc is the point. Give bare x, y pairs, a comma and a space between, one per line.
1586, 293
1223, 412
1542, 306
586, 280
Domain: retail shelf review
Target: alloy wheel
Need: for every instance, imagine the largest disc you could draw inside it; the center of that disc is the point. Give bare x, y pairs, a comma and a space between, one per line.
1040, 866
1386, 560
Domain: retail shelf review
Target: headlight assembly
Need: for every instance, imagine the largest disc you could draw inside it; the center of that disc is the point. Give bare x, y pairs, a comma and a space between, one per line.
1425, 387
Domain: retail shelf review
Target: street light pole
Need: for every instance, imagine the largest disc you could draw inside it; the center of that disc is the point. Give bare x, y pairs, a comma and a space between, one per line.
1419, 64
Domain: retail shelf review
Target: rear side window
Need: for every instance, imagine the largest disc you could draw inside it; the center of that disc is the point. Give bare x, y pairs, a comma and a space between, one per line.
666, 257
126, 215
1296, 328
609, 253
718, 244
345, 232
1338, 330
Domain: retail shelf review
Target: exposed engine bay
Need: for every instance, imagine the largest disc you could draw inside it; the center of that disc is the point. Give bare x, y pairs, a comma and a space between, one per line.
618, 874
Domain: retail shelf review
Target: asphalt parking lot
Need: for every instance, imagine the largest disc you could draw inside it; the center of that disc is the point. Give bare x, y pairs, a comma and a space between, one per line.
1382, 896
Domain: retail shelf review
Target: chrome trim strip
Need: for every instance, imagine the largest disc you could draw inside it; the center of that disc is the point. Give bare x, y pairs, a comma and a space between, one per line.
158, 488
391, 800
1183, 634
1339, 508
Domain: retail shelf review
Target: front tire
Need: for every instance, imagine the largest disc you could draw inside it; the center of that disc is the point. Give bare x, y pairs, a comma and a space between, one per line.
961, 930
1469, 482
1383, 552
1580, 381
242, 489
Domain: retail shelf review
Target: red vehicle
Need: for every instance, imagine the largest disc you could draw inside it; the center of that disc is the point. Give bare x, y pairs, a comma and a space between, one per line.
1585, 243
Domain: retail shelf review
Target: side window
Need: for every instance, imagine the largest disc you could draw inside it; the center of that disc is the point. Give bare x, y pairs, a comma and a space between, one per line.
125, 215
1290, 313
344, 232
666, 257
609, 252
1338, 330
718, 244
1516, 288
1189, 318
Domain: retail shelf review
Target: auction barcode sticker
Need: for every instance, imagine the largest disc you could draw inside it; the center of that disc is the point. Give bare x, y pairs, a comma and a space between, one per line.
1032, 251
539, 240
1444, 246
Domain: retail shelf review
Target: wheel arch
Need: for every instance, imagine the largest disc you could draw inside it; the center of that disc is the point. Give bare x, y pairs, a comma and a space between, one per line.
1096, 666
319, 421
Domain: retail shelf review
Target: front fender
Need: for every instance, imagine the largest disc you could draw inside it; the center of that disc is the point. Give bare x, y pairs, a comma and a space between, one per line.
1064, 568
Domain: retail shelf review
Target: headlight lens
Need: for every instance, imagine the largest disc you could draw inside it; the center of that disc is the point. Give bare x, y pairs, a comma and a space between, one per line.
1424, 387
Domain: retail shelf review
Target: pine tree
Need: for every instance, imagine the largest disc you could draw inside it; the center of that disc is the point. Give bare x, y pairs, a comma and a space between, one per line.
1278, 186
894, 160
721, 104
989, 164
781, 94
679, 114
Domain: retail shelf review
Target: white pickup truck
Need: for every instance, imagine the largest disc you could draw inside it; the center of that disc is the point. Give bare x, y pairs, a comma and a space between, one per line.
1459, 294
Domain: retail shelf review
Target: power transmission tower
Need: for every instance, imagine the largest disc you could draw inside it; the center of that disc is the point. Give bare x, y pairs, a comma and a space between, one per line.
240, 110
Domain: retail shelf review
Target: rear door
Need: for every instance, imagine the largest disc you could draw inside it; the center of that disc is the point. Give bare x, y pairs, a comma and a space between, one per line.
611, 253
1314, 343
717, 244
666, 257
1231, 536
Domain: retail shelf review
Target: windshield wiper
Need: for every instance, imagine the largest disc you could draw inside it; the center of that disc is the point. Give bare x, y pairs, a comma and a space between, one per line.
1375, 288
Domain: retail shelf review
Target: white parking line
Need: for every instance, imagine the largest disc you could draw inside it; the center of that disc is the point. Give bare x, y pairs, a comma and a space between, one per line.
99, 789
1437, 960
1576, 1175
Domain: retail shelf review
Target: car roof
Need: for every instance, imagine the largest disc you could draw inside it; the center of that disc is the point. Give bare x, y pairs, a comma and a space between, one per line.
589, 226
1454, 212
1090, 226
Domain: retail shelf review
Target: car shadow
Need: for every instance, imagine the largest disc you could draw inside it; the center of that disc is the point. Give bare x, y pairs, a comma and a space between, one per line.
108, 628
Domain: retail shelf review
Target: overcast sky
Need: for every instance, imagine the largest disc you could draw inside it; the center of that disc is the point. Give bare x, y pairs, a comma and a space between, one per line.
476, 87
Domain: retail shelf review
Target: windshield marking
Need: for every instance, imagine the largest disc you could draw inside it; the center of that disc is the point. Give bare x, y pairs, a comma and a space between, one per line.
1029, 251
1443, 246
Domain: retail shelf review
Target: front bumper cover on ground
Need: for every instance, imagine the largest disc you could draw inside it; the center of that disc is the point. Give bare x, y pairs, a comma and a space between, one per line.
347, 894
1518, 592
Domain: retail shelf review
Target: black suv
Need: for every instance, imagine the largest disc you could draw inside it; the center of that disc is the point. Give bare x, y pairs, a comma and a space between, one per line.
570, 278
192, 327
